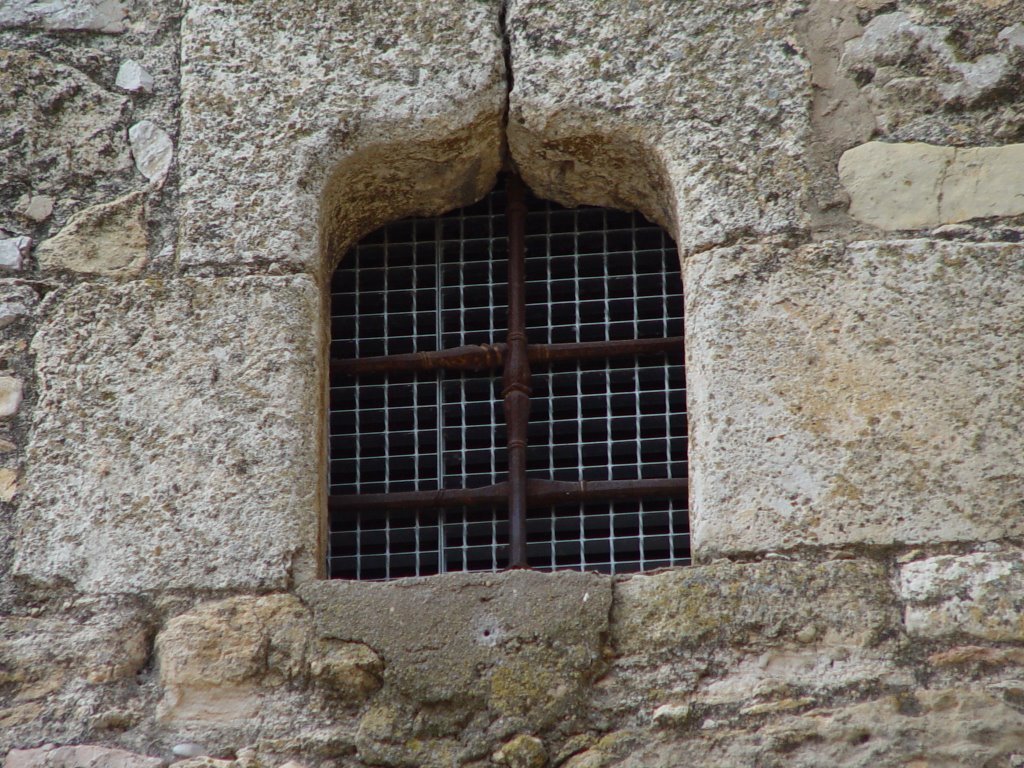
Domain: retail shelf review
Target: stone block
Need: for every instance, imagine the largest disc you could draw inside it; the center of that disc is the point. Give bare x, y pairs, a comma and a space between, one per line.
79, 756
359, 112
914, 185
977, 595
108, 239
860, 394
699, 118
524, 643
176, 439
752, 606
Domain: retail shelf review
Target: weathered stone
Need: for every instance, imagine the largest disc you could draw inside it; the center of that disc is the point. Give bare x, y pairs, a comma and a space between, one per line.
133, 78
753, 605
107, 239
13, 251
152, 149
16, 301
350, 671
10, 395
399, 114
865, 388
976, 595
523, 751
78, 15
60, 130
671, 716
8, 483
525, 643
214, 659
977, 656
168, 412
36, 208
96, 642
81, 756
698, 119
909, 186
188, 749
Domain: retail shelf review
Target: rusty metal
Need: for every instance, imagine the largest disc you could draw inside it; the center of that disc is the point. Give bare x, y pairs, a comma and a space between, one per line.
538, 492
516, 392
487, 356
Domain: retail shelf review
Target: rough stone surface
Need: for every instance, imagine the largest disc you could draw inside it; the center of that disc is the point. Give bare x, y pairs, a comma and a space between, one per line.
977, 595
35, 207
522, 643
168, 412
152, 149
16, 301
13, 251
107, 239
873, 378
698, 118
524, 751
10, 395
82, 756
132, 77
74, 15
909, 186
366, 112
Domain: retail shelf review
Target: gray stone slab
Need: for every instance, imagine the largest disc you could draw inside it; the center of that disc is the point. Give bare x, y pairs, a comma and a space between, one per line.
381, 109
176, 438
866, 394
696, 116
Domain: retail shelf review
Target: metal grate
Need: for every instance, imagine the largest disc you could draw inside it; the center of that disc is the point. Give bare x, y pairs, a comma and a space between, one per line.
429, 284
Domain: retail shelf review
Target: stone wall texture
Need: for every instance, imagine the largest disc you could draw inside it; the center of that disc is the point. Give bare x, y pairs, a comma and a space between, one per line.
844, 181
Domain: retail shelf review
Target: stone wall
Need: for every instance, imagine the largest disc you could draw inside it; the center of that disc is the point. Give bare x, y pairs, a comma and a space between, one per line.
844, 180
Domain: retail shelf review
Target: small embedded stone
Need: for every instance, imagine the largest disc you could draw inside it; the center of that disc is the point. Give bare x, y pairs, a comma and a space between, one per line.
11, 390
36, 208
671, 715
13, 251
523, 751
133, 78
152, 149
188, 749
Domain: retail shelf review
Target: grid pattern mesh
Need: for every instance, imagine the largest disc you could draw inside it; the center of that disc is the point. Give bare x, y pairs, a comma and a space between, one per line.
427, 284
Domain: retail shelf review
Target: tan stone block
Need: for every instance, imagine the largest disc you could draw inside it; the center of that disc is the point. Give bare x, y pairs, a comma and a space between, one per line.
107, 239
176, 438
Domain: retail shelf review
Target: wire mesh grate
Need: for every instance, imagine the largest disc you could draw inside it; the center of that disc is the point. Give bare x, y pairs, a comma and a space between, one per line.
426, 284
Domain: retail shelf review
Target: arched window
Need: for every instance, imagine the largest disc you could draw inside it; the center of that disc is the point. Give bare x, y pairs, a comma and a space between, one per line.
429, 365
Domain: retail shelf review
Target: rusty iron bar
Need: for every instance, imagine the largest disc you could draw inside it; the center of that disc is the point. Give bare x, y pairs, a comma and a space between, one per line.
486, 356
516, 392
538, 493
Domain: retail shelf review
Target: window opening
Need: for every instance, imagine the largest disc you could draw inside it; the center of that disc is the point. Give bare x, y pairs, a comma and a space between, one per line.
574, 457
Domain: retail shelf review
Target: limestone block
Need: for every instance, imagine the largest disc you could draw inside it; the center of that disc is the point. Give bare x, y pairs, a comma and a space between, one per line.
358, 112
697, 118
214, 659
869, 393
525, 643
175, 442
346, 670
95, 642
753, 606
78, 756
107, 239
59, 128
79, 15
908, 186
964, 726
976, 594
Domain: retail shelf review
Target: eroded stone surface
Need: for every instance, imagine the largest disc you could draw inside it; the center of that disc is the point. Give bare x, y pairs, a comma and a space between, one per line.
169, 412
832, 390
78, 15
698, 118
80, 756
753, 605
524, 643
977, 594
909, 186
107, 239
384, 109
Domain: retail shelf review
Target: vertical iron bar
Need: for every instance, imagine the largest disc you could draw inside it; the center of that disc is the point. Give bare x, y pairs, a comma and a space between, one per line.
516, 392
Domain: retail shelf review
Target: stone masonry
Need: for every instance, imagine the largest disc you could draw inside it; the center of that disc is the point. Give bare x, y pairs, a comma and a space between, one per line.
845, 181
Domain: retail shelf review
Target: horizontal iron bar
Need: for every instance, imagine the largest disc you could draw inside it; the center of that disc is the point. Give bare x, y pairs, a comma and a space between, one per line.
538, 493
484, 356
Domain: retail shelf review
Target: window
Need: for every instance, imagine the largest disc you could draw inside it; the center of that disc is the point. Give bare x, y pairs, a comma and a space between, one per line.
420, 480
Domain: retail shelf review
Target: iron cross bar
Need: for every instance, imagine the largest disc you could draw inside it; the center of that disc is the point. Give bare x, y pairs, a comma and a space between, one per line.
515, 356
